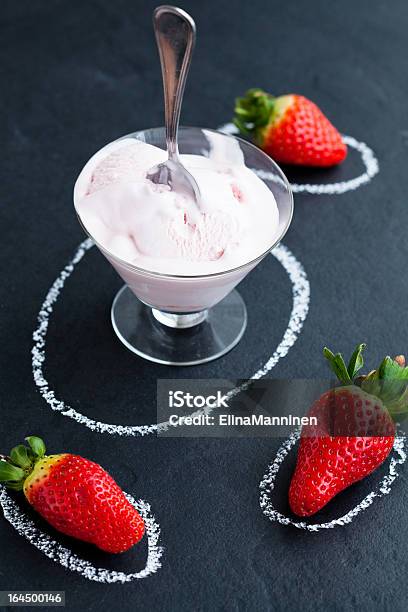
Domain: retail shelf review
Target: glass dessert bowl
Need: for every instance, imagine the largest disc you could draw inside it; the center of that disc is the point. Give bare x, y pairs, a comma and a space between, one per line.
186, 319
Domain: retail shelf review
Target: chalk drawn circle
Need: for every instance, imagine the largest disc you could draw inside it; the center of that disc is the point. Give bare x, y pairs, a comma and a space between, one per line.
300, 307
267, 484
368, 158
58, 553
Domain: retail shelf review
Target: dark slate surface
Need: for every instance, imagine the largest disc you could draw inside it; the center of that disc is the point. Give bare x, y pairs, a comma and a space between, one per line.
77, 75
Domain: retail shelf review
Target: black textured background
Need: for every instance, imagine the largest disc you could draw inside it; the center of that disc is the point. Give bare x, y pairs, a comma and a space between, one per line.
75, 75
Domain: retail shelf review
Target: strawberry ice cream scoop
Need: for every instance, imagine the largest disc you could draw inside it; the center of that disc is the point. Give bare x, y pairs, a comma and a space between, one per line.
159, 230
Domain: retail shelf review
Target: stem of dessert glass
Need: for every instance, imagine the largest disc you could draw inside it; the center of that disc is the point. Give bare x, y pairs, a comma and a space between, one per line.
179, 321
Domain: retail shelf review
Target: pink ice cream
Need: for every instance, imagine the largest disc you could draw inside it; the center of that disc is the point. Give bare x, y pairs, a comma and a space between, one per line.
150, 227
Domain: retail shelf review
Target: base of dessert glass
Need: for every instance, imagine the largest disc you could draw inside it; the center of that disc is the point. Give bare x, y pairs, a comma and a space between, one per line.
178, 339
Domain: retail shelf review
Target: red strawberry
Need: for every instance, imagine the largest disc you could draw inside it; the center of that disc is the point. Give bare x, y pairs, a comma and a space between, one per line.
75, 495
354, 433
291, 129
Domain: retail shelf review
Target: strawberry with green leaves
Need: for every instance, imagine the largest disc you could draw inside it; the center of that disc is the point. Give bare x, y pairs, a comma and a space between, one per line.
74, 495
355, 430
291, 129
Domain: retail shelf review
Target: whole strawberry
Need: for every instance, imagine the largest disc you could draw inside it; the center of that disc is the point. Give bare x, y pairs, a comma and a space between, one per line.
354, 433
291, 129
74, 495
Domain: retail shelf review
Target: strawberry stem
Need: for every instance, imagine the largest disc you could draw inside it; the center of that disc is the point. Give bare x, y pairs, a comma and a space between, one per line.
15, 468
37, 446
338, 366
8, 471
19, 456
253, 111
389, 382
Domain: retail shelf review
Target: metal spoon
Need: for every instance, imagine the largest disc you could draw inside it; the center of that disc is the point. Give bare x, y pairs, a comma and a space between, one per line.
175, 37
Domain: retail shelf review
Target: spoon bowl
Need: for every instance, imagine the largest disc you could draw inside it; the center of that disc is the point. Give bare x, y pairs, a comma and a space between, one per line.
174, 175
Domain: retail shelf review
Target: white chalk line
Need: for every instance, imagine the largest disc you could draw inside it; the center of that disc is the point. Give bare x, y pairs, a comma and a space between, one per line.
300, 307
267, 485
367, 157
65, 557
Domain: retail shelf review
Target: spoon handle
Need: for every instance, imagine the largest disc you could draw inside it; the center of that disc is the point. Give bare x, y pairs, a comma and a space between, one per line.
175, 36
